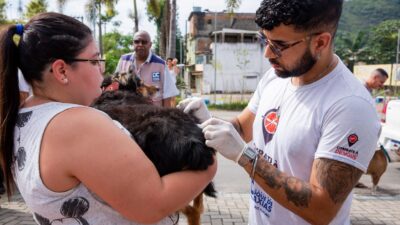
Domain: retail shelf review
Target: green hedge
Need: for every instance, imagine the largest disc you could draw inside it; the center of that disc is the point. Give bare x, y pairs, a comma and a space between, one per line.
234, 106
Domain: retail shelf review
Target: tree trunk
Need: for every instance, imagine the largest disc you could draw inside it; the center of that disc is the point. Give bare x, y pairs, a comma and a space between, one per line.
164, 34
136, 19
172, 31
100, 33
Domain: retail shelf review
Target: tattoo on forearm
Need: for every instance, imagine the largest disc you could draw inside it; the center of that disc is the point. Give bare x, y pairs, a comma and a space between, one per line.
270, 174
297, 191
337, 178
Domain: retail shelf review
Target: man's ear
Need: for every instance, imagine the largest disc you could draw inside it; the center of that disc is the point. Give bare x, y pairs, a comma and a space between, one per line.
59, 70
323, 41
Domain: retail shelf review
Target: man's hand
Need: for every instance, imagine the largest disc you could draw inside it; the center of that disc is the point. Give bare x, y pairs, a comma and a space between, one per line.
197, 106
224, 138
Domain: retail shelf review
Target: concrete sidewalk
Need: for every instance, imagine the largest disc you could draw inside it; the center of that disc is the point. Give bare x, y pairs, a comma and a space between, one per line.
232, 209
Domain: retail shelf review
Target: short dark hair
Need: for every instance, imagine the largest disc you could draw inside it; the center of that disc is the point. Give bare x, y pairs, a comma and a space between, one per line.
170, 59
382, 72
304, 15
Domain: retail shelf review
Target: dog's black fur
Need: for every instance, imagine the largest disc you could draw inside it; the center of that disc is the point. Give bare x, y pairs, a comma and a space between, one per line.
170, 138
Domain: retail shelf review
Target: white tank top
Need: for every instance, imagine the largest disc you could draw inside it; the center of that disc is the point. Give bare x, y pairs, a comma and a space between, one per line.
76, 206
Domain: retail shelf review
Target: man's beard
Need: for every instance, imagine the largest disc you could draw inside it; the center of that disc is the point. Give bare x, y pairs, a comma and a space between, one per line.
306, 62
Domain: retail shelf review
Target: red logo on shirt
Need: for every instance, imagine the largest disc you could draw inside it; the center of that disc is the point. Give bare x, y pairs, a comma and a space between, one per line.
270, 124
352, 139
271, 121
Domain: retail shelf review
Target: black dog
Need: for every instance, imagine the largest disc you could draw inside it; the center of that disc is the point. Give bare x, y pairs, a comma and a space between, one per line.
169, 137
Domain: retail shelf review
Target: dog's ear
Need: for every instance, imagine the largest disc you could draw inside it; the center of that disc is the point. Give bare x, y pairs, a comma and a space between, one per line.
107, 81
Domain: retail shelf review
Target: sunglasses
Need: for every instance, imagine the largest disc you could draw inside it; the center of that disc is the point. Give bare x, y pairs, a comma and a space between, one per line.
142, 42
276, 48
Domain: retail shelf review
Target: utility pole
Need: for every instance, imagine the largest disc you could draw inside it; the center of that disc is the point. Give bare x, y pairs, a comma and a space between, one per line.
215, 57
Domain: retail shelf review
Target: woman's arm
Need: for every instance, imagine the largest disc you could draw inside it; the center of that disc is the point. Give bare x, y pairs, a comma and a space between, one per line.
82, 145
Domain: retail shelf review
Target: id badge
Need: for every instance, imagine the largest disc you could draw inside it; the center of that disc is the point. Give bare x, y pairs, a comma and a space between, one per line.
156, 77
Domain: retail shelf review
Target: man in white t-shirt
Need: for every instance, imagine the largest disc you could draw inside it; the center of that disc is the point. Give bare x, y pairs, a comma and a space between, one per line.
310, 129
376, 80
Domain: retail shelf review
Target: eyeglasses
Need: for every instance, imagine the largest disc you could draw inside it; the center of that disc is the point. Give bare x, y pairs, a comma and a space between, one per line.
142, 42
276, 48
96, 62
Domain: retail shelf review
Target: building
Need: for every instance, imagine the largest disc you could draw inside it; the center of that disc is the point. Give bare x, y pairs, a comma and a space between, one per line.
223, 52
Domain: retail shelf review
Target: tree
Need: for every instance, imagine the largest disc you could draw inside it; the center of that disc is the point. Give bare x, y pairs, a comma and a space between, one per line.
383, 42
3, 17
34, 7
363, 14
232, 5
136, 18
94, 14
115, 45
352, 47
158, 11
172, 31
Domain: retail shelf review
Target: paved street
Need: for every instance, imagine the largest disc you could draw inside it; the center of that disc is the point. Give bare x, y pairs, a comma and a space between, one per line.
231, 206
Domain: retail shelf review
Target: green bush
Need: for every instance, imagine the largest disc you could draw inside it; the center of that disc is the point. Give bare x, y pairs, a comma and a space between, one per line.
234, 106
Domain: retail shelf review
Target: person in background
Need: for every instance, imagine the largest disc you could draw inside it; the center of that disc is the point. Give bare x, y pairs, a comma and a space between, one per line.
310, 129
376, 80
150, 68
172, 68
71, 163
174, 71
175, 66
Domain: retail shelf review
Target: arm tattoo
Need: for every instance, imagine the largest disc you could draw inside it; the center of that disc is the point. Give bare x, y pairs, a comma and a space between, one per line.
297, 191
337, 178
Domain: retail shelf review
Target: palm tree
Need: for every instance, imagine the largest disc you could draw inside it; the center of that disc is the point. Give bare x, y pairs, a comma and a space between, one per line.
232, 5
159, 12
135, 14
34, 7
172, 31
93, 15
352, 47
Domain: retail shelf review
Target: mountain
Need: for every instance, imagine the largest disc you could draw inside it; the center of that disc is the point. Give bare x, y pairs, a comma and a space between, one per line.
362, 14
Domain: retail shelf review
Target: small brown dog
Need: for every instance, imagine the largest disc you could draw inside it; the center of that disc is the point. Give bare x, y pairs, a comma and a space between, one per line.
377, 166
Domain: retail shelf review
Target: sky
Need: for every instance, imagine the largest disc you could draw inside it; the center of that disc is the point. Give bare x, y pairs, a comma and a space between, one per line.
76, 8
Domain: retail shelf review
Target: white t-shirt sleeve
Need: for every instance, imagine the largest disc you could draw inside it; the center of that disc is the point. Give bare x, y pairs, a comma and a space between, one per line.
169, 86
23, 85
255, 99
349, 133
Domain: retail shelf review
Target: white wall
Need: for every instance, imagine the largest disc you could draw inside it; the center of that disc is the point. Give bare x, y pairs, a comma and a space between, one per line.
235, 62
